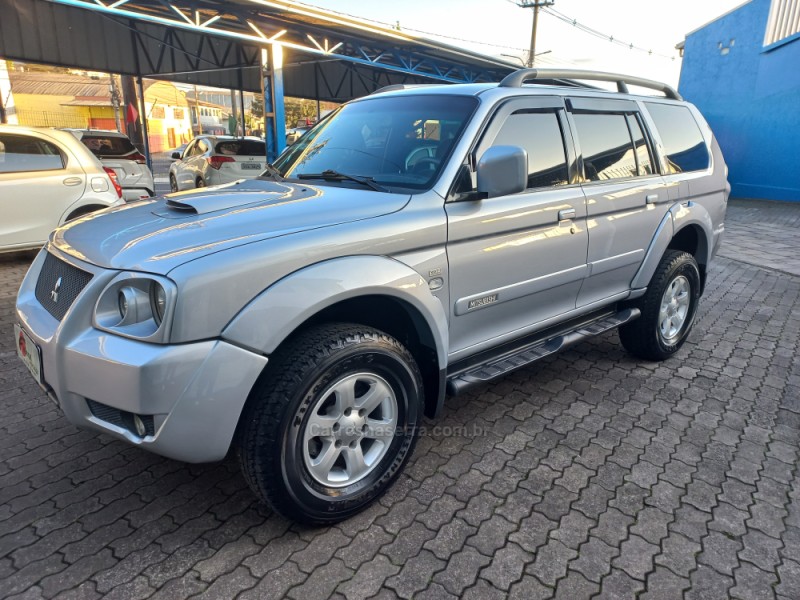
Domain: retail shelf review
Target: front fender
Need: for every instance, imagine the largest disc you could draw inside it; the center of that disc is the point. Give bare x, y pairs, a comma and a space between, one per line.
275, 313
679, 217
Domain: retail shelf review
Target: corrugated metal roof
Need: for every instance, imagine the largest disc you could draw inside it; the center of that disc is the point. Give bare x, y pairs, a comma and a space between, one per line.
94, 102
59, 84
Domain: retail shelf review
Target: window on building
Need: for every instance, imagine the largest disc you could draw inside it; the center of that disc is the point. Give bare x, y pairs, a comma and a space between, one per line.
177, 114
608, 151
21, 153
540, 135
683, 143
783, 21
157, 112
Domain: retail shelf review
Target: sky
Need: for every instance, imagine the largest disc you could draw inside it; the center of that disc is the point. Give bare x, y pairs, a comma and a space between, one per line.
497, 27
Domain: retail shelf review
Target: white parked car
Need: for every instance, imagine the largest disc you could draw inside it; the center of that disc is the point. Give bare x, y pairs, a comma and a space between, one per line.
115, 150
47, 177
216, 159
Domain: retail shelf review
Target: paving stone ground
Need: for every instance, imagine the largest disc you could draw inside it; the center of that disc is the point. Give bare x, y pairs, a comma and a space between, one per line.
587, 475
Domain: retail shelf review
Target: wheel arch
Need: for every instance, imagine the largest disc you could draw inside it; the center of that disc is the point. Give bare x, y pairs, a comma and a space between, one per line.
378, 292
686, 227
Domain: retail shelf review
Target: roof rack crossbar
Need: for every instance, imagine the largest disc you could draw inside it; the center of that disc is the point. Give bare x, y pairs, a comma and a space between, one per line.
517, 78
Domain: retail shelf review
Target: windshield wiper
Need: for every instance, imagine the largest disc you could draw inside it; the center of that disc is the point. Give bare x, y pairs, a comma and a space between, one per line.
331, 175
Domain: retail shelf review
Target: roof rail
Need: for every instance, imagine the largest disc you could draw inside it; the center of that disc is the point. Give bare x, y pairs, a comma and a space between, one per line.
517, 78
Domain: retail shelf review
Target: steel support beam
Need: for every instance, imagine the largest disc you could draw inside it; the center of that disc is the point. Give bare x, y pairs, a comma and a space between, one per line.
274, 114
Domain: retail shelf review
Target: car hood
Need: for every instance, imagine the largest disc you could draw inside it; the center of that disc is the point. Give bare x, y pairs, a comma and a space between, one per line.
157, 236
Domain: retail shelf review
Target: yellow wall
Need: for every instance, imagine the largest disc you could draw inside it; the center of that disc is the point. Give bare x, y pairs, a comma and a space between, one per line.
48, 111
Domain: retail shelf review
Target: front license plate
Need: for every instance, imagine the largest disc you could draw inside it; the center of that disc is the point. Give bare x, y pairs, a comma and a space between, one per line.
29, 353
253, 166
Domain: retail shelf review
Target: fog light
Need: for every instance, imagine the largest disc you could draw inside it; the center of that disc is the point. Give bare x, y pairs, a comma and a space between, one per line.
139, 424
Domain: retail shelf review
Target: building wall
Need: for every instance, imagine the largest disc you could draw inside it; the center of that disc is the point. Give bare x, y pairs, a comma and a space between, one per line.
48, 111
751, 98
168, 121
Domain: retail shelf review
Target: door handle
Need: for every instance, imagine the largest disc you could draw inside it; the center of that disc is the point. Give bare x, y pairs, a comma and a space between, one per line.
72, 181
651, 198
566, 214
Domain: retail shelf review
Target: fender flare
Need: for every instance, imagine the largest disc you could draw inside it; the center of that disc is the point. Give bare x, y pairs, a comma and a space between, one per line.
677, 218
272, 316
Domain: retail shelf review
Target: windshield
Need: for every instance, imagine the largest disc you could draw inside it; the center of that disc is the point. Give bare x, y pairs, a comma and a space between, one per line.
400, 142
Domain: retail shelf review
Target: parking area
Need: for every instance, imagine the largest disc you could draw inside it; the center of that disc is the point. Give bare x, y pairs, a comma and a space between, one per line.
587, 474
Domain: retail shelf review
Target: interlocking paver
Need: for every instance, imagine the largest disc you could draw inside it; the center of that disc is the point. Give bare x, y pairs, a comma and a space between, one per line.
599, 475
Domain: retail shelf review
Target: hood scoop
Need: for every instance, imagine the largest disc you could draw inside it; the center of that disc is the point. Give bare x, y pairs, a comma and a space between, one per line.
201, 203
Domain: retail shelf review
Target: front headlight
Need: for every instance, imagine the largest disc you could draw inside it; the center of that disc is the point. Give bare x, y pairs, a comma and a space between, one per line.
137, 306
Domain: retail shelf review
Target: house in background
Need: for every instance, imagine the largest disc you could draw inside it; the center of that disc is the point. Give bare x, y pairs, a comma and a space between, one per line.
167, 111
48, 99
51, 99
213, 118
742, 71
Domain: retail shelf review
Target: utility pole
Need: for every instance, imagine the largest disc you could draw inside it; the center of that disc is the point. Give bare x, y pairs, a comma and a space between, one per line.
535, 5
115, 100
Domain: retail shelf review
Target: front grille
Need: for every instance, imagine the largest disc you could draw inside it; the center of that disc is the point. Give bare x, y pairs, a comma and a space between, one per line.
59, 284
121, 418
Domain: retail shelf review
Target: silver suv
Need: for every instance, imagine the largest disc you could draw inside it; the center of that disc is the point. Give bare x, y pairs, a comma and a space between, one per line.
414, 243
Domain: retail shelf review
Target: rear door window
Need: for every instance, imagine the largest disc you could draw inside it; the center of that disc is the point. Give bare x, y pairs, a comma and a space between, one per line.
538, 132
608, 151
21, 153
683, 143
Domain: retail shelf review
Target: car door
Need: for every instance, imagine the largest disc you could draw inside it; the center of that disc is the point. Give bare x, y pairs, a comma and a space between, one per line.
517, 261
38, 181
626, 198
183, 175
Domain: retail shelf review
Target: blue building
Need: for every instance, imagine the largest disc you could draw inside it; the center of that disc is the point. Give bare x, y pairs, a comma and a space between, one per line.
742, 71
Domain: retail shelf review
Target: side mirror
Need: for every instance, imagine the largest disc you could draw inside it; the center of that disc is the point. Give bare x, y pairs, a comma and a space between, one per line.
176, 155
502, 170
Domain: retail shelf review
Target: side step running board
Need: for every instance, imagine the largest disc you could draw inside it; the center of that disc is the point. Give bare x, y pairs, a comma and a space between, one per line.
497, 366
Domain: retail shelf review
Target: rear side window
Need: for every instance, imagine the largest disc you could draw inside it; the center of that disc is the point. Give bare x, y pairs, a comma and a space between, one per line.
683, 143
539, 133
608, 151
21, 153
107, 146
242, 148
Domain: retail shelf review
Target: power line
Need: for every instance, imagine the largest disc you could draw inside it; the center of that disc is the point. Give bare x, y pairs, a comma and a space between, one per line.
603, 36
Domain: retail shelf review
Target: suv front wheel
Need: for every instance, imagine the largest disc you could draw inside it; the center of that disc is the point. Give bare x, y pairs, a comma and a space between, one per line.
331, 423
668, 309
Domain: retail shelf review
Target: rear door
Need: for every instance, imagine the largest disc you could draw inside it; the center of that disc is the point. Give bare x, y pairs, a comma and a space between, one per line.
626, 198
38, 181
517, 261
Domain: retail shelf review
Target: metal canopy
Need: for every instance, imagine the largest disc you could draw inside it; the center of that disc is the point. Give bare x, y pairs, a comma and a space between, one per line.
325, 56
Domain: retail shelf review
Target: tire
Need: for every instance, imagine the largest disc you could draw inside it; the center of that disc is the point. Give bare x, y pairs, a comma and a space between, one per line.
173, 184
664, 326
300, 437
200, 183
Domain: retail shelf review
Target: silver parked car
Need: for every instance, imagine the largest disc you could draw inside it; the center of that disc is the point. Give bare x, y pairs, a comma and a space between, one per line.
216, 160
417, 242
47, 177
116, 151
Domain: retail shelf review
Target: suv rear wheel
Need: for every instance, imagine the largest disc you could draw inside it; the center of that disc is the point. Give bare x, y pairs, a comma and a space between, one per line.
331, 423
668, 309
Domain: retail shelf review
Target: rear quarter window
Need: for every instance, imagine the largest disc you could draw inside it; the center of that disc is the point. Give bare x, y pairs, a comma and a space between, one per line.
683, 143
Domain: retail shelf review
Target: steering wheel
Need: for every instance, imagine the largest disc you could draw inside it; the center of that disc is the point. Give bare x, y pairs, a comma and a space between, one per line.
425, 165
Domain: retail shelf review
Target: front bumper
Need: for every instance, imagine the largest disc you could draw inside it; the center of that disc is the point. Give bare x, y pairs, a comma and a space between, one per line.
192, 393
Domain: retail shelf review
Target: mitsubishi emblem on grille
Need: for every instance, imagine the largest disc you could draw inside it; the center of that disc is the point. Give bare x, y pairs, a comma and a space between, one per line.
54, 293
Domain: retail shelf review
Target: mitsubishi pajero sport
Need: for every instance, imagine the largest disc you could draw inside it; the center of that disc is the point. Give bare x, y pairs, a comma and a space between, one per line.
414, 243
